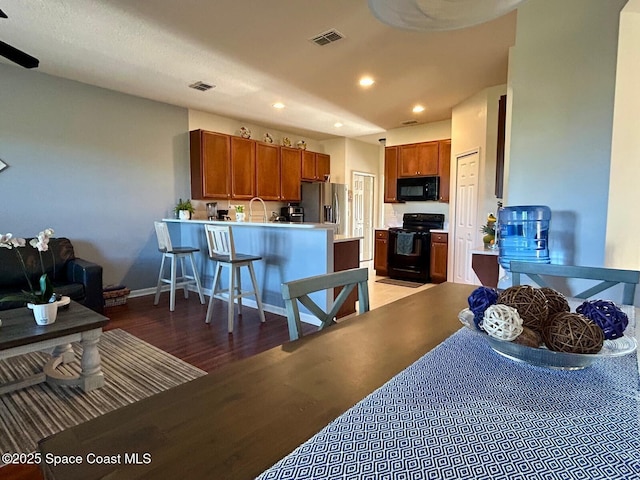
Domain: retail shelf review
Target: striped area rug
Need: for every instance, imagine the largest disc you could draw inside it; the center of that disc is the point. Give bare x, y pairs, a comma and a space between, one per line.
132, 369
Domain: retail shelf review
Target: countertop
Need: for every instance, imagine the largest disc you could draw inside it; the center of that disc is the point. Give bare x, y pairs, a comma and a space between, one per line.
485, 251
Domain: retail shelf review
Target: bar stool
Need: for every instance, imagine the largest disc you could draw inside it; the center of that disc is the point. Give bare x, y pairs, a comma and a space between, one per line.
174, 254
222, 250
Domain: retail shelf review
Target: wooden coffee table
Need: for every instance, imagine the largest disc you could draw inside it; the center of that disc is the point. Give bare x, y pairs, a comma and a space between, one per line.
19, 334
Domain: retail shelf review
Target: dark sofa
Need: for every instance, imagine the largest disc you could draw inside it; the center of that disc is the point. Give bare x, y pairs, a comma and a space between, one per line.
74, 277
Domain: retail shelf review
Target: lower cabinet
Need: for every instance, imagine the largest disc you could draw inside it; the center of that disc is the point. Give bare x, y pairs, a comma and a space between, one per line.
439, 252
380, 251
346, 255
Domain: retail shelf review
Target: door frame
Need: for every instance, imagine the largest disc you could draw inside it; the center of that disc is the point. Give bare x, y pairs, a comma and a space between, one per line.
371, 213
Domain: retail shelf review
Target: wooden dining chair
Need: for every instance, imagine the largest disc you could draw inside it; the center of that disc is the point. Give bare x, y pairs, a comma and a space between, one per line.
608, 277
175, 254
298, 291
222, 250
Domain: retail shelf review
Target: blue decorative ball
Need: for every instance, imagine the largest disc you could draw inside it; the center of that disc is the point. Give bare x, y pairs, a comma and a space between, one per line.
479, 300
607, 315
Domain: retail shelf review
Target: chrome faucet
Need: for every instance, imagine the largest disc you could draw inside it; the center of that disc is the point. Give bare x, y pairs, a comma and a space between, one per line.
264, 209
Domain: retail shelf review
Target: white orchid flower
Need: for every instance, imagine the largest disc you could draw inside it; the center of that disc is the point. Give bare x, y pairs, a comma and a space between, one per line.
18, 242
4, 240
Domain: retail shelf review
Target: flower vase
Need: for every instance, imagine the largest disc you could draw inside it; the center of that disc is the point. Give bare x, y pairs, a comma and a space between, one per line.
44, 313
239, 217
184, 215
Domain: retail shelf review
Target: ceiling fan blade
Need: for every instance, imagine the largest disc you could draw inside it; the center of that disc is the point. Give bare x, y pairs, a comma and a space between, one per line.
18, 56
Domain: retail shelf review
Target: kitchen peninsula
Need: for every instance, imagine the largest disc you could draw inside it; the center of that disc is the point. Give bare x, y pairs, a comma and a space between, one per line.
289, 251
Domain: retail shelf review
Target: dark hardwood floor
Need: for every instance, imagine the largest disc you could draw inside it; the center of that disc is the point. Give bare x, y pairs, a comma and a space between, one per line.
184, 334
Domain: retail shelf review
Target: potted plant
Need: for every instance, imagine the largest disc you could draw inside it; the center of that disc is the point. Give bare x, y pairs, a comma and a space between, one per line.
239, 213
489, 231
184, 209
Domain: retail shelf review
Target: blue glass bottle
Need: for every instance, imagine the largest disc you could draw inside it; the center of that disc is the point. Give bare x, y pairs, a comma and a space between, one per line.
523, 234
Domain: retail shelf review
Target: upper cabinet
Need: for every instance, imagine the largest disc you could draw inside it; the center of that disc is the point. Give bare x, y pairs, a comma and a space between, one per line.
315, 166
268, 171
210, 165
391, 174
444, 169
230, 167
418, 159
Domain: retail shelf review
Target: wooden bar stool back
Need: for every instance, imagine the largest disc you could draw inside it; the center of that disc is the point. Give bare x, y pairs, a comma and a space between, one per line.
222, 251
175, 254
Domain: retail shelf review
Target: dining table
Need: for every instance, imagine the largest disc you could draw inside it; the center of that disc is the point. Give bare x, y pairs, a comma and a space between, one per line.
402, 391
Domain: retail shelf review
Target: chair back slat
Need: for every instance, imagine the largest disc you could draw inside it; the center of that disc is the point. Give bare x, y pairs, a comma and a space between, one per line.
162, 234
299, 290
220, 241
608, 277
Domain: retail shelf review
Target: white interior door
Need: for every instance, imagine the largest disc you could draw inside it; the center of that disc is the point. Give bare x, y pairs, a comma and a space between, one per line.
466, 227
363, 189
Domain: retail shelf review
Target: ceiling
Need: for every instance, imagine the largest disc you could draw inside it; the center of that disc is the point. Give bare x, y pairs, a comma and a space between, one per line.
258, 52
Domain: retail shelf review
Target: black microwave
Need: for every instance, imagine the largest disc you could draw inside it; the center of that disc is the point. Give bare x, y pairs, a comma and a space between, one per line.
418, 189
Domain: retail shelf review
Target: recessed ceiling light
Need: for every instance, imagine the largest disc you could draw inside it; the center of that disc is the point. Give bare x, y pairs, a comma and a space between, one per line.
366, 81
278, 105
337, 124
418, 109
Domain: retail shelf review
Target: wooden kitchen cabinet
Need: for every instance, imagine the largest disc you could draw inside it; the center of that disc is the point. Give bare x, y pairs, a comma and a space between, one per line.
439, 252
391, 175
268, 171
243, 167
380, 252
315, 166
291, 174
444, 169
210, 165
418, 159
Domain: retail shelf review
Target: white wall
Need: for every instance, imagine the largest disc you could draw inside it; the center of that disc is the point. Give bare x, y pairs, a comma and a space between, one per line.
623, 231
95, 165
561, 80
391, 215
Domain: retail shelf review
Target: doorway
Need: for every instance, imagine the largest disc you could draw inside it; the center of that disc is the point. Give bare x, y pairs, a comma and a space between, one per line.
466, 227
363, 204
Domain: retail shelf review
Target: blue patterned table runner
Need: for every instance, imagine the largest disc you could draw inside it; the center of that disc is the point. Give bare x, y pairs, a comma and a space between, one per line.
464, 412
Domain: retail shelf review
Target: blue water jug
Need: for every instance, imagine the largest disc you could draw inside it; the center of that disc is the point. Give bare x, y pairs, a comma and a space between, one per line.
523, 234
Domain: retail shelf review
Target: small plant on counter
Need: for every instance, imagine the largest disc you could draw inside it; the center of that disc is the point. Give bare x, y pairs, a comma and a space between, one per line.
184, 206
239, 208
489, 230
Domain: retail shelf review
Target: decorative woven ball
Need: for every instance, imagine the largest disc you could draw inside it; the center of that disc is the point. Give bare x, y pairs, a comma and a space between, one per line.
607, 316
530, 303
572, 333
529, 337
479, 300
556, 302
502, 322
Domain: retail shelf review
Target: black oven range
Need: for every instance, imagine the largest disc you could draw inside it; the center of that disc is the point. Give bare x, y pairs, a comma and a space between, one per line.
410, 246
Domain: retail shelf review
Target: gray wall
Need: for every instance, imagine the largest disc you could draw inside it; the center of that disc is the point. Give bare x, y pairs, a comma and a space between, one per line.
95, 165
561, 81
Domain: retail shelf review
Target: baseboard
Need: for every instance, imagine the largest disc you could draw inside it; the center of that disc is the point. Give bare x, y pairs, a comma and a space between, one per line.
304, 317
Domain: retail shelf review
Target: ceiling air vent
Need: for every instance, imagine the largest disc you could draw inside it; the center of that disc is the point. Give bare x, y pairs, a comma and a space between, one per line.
327, 37
203, 87
406, 123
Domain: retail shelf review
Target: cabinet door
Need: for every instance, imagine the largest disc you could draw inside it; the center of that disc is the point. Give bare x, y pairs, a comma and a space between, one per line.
439, 251
428, 158
323, 166
381, 250
408, 164
291, 161
308, 166
210, 165
268, 171
391, 174
243, 164
444, 169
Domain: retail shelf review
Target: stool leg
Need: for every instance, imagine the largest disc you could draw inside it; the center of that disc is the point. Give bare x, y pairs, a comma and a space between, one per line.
196, 277
172, 292
239, 290
216, 280
159, 286
256, 292
183, 278
232, 297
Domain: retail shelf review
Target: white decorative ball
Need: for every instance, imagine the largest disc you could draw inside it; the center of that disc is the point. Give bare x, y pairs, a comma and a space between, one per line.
502, 322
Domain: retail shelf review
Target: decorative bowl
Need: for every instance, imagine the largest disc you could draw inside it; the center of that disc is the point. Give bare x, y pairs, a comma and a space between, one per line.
543, 357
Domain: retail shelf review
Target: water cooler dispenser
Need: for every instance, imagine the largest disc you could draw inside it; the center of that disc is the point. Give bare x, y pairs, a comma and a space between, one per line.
523, 235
